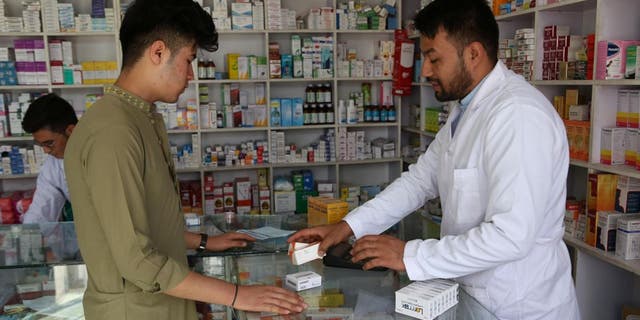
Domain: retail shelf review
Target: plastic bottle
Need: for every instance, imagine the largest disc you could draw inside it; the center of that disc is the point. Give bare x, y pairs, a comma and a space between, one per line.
342, 112
352, 112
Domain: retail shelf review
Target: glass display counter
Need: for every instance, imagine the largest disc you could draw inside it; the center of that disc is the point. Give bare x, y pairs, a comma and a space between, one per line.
42, 275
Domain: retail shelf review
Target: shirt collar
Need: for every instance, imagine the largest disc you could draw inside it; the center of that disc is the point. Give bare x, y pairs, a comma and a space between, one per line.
464, 102
131, 98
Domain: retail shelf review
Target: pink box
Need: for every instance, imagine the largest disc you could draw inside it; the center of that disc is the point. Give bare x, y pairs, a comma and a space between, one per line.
612, 58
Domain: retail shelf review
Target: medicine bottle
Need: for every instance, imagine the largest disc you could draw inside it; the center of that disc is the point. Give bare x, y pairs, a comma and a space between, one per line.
319, 93
211, 69
330, 114
342, 112
306, 112
322, 115
310, 94
202, 69
314, 113
391, 114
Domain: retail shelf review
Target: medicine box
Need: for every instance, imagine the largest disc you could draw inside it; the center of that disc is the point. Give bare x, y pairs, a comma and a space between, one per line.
628, 238
303, 280
628, 195
612, 60
612, 146
623, 108
285, 201
631, 146
601, 197
426, 299
301, 253
321, 210
633, 111
633, 63
606, 230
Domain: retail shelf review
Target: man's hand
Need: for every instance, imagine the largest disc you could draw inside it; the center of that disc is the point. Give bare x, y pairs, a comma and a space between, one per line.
268, 299
228, 240
380, 251
328, 235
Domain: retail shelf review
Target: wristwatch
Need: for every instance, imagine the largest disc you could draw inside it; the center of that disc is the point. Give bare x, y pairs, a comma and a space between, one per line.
203, 242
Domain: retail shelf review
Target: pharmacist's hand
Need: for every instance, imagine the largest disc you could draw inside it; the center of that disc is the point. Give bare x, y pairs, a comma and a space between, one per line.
379, 251
228, 240
269, 299
328, 235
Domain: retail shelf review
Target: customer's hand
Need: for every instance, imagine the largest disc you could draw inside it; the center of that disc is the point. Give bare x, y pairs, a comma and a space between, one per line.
328, 235
269, 299
379, 251
228, 240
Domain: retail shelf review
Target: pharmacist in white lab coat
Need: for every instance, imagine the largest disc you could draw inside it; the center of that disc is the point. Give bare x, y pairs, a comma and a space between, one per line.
51, 120
499, 166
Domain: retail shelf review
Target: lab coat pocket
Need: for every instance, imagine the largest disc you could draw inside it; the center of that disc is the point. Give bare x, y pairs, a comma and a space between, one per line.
465, 198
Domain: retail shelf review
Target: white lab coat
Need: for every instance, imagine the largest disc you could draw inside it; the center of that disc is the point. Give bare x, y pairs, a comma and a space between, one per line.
502, 183
51, 193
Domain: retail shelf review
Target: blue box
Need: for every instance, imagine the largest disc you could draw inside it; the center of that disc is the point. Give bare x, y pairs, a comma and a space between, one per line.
274, 110
298, 112
286, 63
286, 112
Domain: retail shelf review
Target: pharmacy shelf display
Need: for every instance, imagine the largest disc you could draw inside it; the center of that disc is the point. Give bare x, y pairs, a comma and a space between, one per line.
224, 121
599, 275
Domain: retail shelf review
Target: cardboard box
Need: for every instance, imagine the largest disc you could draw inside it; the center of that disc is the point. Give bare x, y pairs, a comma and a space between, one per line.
628, 238
325, 210
601, 197
285, 201
427, 299
303, 280
606, 229
301, 253
612, 147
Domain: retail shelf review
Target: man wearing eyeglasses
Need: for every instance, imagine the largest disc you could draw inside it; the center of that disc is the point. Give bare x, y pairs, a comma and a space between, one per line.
51, 120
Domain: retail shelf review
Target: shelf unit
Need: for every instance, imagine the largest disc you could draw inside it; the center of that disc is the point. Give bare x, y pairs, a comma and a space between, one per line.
595, 271
244, 42
256, 42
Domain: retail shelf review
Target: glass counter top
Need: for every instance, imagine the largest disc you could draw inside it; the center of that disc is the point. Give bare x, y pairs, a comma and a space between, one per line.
345, 293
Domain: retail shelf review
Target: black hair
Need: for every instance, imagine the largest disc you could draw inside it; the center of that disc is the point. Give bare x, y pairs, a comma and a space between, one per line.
50, 112
176, 22
464, 21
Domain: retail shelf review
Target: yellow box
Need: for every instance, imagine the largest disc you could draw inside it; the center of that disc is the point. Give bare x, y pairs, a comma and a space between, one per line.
571, 98
601, 196
323, 210
232, 63
88, 72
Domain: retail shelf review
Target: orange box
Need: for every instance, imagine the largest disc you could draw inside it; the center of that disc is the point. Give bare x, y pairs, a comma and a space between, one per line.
578, 134
601, 196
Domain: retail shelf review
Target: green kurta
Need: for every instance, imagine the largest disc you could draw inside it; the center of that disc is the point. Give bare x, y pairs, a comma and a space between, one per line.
127, 211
